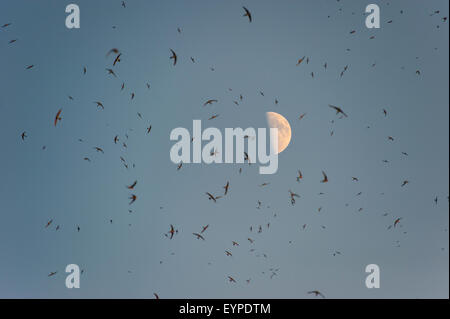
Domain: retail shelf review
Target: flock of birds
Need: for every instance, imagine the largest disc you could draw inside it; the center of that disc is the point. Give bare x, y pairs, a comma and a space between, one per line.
201, 233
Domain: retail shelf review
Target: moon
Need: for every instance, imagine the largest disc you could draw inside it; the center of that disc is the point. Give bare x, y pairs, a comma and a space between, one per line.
278, 121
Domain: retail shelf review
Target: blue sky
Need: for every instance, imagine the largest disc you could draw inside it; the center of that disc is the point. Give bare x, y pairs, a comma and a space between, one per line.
131, 258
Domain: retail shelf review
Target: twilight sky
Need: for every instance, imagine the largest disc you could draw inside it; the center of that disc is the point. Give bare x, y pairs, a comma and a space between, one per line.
131, 257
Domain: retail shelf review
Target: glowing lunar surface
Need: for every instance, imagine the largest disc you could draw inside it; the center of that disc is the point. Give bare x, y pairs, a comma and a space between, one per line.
276, 120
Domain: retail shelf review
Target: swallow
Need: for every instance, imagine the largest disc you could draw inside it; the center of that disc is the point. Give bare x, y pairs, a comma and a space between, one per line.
228, 253
23, 135
204, 228
325, 178
235, 243
418, 72
179, 166
156, 295
99, 104
29, 67
209, 102
404, 153
113, 50
299, 176
300, 60
132, 185
110, 71
385, 112
301, 116
49, 223
397, 221
117, 59
123, 86
338, 109
316, 293
149, 129
52, 273
198, 236
174, 57
390, 138
213, 117
353, 32
211, 197
12, 41
355, 179
123, 4
247, 14
404, 183
132, 198
116, 139
246, 158
58, 117
231, 279
172, 231
226, 187
6, 25
98, 149
193, 60
87, 159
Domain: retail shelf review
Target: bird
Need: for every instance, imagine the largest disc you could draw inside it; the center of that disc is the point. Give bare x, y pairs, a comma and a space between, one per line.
23, 135
301, 116
397, 221
204, 228
132, 185
117, 59
231, 279
338, 109
211, 197
404, 183
198, 236
316, 293
213, 117
179, 166
110, 71
247, 14
132, 198
300, 60
29, 67
235, 243
149, 129
174, 57
113, 50
226, 187
228, 253
99, 104
49, 223
58, 117
99, 149
209, 102
299, 176
172, 231
156, 295
52, 273
385, 112
325, 178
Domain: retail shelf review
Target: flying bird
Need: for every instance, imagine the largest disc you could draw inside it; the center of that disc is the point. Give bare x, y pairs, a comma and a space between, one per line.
316, 293
132, 185
338, 109
247, 14
198, 236
174, 57
58, 117
226, 187
325, 178
209, 102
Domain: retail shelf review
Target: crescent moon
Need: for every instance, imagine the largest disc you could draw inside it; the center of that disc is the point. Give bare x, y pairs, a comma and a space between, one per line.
278, 121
